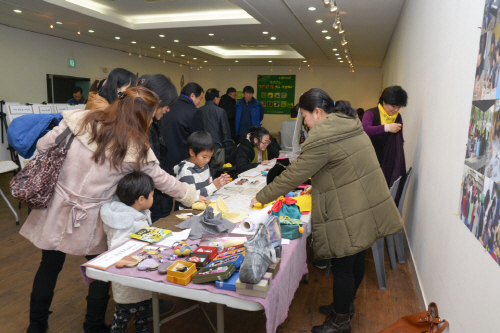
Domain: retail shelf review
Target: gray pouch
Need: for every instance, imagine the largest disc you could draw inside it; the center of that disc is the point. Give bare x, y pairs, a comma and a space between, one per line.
259, 254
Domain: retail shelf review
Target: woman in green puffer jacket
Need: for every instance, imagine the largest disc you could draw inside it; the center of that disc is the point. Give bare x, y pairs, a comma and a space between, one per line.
351, 203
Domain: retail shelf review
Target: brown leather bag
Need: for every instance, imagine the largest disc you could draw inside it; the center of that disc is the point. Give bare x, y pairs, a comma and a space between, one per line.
422, 322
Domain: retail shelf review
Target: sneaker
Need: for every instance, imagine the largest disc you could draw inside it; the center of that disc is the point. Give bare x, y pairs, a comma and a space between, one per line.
166, 306
321, 264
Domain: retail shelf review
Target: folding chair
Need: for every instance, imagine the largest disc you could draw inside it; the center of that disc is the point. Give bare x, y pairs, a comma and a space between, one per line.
6, 167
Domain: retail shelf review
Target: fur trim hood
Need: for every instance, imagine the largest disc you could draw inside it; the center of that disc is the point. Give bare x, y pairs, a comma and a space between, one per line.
117, 215
74, 119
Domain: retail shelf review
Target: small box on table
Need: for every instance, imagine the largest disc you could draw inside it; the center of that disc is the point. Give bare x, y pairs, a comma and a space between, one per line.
274, 268
201, 259
236, 260
258, 289
183, 278
229, 284
210, 274
211, 250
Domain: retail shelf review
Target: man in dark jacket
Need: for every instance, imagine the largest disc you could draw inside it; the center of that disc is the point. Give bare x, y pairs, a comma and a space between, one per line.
178, 124
214, 118
249, 111
228, 103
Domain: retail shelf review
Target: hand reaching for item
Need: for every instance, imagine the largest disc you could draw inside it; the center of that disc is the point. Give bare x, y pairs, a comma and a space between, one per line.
266, 162
202, 199
393, 128
222, 180
253, 202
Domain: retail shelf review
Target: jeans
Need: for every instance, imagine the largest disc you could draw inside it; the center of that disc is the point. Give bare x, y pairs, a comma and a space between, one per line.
348, 273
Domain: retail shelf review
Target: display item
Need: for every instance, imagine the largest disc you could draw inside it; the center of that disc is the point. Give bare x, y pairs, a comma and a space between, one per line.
148, 264
181, 248
236, 260
211, 250
206, 223
259, 254
151, 234
181, 272
291, 228
162, 269
258, 289
214, 273
228, 284
200, 259
274, 268
426, 321
286, 206
35, 184
127, 261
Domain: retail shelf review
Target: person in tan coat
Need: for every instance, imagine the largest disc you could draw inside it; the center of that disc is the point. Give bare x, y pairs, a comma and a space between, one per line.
108, 145
351, 203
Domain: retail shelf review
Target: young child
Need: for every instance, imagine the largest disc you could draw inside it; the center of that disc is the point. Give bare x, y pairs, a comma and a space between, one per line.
195, 171
126, 214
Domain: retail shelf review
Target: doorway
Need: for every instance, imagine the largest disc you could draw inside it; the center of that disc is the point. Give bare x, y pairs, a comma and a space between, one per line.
60, 87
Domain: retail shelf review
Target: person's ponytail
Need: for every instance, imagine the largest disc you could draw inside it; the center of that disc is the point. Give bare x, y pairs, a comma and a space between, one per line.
318, 98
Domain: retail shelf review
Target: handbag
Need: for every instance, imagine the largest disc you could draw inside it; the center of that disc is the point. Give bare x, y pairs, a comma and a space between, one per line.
426, 321
34, 185
259, 254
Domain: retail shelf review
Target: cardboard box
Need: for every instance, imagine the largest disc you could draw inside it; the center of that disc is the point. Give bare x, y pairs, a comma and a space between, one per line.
229, 284
204, 259
181, 277
236, 260
258, 289
199, 277
211, 250
274, 268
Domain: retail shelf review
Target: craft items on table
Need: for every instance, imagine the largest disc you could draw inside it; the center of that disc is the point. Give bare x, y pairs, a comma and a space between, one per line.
214, 273
252, 221
291, 228
304, 202
173, 257
176, 236
200, 205
236, 260
129, 261
274, 268
231, 251
148, 264
286, 206
181, 248
162, 269
229, 284
184, 216
181, 272
258, 289
206, 223
200, 259
151, 234
241, 181
210, 250
111, 257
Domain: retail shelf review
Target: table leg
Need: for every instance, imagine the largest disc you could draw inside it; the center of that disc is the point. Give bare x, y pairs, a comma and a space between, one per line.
156, 313
220, 318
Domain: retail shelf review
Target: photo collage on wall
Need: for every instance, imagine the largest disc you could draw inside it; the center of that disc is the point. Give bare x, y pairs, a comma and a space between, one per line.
479, 204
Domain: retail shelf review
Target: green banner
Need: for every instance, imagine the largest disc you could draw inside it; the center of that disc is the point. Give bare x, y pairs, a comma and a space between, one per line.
276, 93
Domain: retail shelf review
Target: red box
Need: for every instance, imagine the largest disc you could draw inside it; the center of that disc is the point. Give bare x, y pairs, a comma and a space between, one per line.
211, 250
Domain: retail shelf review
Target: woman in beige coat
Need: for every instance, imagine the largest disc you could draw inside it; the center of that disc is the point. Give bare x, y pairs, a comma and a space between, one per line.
351, 204
109, 144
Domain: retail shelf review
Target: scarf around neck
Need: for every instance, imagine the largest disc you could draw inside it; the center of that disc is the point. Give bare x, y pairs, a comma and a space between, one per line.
385, 118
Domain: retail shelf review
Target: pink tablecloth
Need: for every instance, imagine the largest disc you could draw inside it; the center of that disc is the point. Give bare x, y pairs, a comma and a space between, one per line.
280, 294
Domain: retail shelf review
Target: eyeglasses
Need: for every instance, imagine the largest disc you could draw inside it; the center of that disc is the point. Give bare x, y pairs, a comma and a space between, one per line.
265, 143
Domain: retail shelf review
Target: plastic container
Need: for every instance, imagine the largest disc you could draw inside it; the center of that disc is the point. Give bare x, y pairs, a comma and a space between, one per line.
201, 278
182, 278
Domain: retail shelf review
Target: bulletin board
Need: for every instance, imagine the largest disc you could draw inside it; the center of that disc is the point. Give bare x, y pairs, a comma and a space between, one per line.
276, 93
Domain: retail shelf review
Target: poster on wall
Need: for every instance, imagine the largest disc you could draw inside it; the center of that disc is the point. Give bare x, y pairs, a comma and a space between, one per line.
479, 204
276, 93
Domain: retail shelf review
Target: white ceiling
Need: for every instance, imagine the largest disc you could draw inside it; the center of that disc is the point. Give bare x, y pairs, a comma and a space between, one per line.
236, 26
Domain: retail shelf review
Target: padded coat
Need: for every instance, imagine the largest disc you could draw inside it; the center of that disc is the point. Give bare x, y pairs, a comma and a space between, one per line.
351, 203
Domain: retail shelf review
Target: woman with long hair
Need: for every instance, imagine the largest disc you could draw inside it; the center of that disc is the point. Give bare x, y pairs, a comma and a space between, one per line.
118, 81
108, 144
351, 204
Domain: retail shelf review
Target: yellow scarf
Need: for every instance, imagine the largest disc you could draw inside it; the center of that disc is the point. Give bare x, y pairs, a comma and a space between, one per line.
256, 158
384, 117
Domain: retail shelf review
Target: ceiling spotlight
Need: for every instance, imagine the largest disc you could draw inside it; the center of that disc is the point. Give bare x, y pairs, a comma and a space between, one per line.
334, 49
236, 61
91, 31
328, 37
338, 19
18, 11
176, 41
195, 58
162, 36
78, 32
339, 58
133, 42
117, 37
337, 54
341, 61
58, 22
304, 60
333, 8
273, 38
327, 2
324, 31
312, 8
335, 26
51, 26
205, 61
182, 55
210, 34
169, 51
319, 21
152, 47
265, 32
341, 31
270, 61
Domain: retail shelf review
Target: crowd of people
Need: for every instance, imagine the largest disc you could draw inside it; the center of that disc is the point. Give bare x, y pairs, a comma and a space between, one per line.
140, 145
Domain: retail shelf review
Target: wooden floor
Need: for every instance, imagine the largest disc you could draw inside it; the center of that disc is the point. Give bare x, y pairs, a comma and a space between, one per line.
375, 309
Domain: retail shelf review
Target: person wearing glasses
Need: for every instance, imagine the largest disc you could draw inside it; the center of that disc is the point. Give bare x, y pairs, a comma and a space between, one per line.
256, 149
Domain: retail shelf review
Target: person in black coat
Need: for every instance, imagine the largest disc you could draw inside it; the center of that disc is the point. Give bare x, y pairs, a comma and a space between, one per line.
258, 148
228, 103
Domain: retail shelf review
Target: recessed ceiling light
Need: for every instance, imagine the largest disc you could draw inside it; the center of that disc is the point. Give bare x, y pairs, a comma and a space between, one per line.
337, 54
319, 21
57, 22
312, 8
304, 60
133, 42
341, 61
152, 47
210, 34
182, 55
270, 61
334, 49
273, 38
176, 40
236, 61
18, 10
339, 58
328, 37
205, 61
195, 58
265, 32
117, 37
91, 31
169, 51
162, 36
324, 31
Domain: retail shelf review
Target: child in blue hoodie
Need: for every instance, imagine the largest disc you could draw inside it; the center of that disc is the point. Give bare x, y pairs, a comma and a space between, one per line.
128, 213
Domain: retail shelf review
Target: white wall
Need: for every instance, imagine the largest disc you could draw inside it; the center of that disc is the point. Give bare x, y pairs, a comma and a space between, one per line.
361, 88
28, 57
433, 56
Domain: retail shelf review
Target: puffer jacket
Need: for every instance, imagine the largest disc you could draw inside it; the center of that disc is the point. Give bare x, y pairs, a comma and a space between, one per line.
351, 203
96, 102
245, 154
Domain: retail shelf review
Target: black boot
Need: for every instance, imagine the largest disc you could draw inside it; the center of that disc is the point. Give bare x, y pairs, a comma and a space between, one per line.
327, 309
96, 314
334, 323
39, 314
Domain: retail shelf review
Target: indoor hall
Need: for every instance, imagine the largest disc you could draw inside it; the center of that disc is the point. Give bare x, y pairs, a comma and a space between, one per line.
53, 46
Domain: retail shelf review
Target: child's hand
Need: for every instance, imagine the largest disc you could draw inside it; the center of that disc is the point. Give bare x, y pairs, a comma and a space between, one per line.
202, 199
221, 181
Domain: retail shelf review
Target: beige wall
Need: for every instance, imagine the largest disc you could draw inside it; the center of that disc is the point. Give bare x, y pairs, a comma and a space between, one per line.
361, 88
